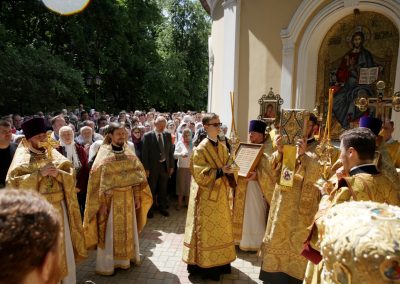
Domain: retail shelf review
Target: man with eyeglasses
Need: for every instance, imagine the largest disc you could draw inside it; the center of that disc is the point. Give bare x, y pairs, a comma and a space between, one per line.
7, 150
208, 243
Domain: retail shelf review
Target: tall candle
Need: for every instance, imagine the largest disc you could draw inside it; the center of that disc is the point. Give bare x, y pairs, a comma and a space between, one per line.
233, 126
329, 118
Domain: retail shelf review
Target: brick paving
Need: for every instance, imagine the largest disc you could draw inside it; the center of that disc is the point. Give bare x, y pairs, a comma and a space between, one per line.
161, 254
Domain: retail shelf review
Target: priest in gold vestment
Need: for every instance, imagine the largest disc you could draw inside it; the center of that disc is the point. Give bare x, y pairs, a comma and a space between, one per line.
249, 205
291, 213
393, 146
52, 175
359, 180
208, 247
117, 203
382, 157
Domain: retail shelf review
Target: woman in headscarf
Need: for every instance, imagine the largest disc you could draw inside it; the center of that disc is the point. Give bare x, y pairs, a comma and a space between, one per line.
183, 152
78, 157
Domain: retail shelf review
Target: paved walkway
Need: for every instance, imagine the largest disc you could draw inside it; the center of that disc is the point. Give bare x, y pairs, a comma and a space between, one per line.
161, 253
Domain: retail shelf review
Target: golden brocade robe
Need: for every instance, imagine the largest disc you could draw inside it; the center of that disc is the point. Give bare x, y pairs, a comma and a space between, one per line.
268, 169
360, 187
383, 162
394, 152
365, 187
291, 212
116, 178
24, 174
266, 181
208, 240
385, 165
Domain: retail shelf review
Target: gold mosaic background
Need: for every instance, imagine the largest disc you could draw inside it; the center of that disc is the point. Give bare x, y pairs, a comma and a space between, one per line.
381, 39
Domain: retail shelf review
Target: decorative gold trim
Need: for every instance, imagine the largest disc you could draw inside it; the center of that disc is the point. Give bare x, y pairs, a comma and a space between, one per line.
214, 265
210, 248
249, 248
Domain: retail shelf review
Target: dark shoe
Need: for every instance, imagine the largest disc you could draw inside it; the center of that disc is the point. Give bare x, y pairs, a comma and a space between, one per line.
150, 214
193, 269
177, 207
212, 275
165, 213
225, 269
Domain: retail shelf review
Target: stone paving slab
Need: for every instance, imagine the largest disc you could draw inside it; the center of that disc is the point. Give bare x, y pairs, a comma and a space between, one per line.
161, 254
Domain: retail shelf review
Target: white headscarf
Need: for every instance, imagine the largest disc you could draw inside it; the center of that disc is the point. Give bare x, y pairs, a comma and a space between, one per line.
70, 149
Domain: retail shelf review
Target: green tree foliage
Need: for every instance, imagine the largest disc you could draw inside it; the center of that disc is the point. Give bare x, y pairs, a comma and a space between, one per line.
183, 46
35, 80
147, 53
33, 76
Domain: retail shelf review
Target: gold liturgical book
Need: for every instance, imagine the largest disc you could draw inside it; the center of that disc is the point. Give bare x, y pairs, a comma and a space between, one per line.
293, 126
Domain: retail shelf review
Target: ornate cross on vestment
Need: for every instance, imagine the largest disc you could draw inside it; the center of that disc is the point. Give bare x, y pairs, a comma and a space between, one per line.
50, 144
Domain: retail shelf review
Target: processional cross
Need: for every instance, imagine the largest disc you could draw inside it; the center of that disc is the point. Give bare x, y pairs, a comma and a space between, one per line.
49, 145
381, 103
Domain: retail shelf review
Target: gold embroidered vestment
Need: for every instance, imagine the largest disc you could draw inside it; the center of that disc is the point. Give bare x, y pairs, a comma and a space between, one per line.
117, 178
291, 213
208, 240
362, 187
24, 174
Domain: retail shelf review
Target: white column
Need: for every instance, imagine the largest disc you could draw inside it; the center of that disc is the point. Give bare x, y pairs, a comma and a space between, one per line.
286, 91
230, 63
210, 73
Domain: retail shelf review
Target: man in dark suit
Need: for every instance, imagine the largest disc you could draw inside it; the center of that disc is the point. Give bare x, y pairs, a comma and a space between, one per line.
158, 161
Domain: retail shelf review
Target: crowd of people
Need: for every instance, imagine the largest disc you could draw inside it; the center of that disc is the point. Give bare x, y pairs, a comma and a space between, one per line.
106, 175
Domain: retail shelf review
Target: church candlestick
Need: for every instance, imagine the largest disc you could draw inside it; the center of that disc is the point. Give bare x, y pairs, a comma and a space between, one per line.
325, 150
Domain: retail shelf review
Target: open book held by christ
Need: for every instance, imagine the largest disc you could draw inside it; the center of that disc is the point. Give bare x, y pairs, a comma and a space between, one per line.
368, 75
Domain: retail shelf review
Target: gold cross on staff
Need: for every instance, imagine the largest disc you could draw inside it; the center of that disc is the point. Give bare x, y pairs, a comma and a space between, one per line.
49, 145
382, 104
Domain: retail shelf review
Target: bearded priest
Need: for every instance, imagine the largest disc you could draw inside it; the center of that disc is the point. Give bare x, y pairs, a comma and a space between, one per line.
117, 202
